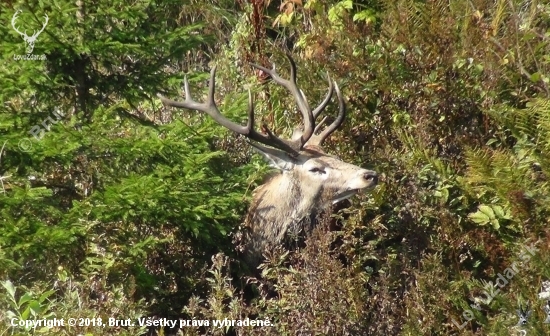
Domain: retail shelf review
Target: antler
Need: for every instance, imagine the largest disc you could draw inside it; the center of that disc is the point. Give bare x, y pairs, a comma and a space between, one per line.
308, 135
290, 85
319, 139
209, 107
291, 147
325, 101
43, 26
13, 19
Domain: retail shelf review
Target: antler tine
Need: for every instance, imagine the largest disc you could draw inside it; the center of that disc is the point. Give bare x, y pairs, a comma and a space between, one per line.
290, 85
43, 26
319, 125
209, 107
325, 102
339, 119
13, 19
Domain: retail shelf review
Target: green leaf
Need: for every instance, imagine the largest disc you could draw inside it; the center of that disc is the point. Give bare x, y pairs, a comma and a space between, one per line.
347, 4
45, 295
487, 210
10, 315
8, 285
491, 141
495, 223
25, 298
367, 16
35, 307
499, 212
535, 77
26, 313
479, 218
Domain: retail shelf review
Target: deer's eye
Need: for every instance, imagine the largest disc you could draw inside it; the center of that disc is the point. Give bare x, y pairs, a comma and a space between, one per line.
317, 170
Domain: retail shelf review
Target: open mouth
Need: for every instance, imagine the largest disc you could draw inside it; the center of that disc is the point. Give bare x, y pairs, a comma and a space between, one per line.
345, 195
348, 193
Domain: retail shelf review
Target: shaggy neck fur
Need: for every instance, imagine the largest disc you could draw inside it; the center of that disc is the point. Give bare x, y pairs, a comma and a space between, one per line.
281, 212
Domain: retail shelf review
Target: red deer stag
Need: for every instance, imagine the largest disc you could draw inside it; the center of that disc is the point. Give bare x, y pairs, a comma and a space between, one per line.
310, 180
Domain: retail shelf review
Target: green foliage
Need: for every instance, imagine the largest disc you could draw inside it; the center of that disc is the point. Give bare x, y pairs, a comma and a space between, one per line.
490, 215
336, 12
107, 192
29, 306
118, 207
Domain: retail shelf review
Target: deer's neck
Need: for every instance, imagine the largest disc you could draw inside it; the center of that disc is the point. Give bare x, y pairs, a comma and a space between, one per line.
283, 197
280, 208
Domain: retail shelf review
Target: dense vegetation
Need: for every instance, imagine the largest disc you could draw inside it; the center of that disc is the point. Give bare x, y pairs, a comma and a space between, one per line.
115, 206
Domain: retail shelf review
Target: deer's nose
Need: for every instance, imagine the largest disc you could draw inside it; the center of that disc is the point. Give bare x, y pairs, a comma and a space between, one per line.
371, 176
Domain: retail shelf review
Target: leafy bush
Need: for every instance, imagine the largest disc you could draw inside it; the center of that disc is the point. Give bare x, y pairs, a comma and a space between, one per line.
121, 208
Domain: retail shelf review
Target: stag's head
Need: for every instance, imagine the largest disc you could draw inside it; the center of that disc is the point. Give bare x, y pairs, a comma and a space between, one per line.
29, 40
310, 178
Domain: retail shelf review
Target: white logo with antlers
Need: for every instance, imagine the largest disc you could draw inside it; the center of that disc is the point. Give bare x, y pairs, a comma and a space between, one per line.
29, 40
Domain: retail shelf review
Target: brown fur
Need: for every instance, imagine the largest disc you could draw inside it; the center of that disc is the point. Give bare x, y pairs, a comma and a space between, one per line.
284, 209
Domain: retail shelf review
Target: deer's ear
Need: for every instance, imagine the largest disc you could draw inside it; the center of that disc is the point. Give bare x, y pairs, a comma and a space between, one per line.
276, 158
